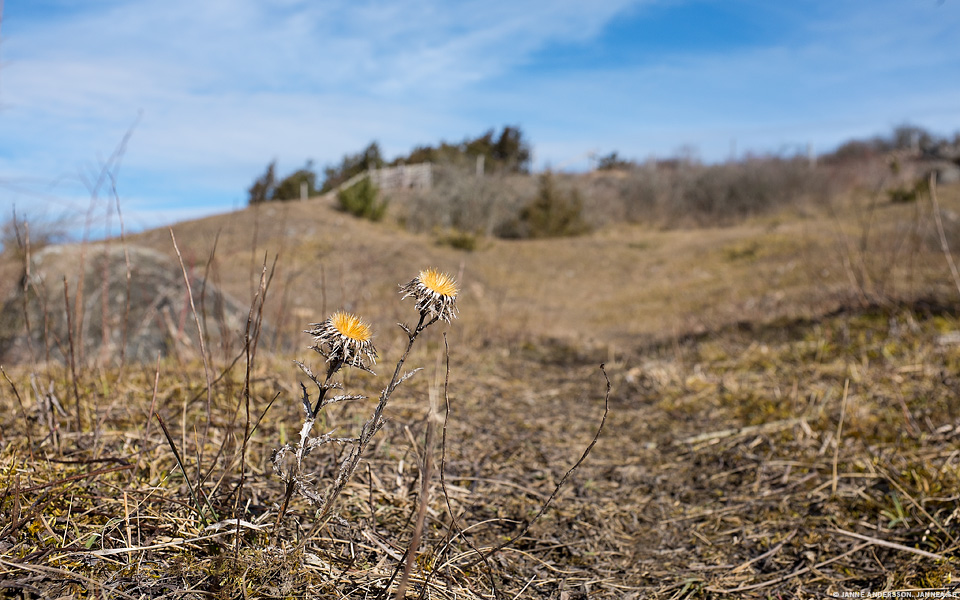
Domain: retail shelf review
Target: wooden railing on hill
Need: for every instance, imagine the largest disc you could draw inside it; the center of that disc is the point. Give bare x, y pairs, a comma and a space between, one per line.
419, 176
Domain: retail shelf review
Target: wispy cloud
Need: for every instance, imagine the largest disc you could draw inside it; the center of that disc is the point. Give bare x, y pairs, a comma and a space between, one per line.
223, 86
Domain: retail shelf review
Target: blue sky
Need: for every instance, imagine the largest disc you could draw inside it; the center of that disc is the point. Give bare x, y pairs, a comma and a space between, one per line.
215, 89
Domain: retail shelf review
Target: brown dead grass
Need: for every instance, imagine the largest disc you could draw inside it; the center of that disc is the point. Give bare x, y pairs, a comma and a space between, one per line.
616, 286
755, 430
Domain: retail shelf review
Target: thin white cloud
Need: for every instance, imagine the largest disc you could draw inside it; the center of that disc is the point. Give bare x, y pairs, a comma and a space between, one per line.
845, 81
218, 81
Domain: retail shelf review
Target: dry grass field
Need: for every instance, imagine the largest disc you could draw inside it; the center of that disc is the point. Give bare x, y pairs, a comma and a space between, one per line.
783, 419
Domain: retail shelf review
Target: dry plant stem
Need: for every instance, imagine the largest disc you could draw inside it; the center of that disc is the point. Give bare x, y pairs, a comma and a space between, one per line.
886, 544
73, 362
333, 368
23, 412
263, 296
301, 451
586, 452
454, 521
287, 494
107, 170
373, 425
261, 290
323, 290
25, 246
196, 319
425, 477
253, 245
104, 306
308, 423
203, 286
262, 415
197, 507
146, 428
129, 273
220, 377
796, 573
836, 452
943, 237
233, 419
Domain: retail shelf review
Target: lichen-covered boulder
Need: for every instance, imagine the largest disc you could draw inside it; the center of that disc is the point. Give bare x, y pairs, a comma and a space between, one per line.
114, 312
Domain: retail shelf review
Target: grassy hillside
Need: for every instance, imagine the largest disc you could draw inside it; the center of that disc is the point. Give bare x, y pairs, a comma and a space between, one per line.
782, 419
621, 285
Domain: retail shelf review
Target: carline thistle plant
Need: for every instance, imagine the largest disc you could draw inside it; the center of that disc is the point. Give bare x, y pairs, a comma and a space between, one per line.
344, 340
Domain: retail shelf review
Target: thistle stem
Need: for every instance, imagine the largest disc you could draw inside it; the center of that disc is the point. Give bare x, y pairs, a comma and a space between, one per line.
373, 425
333, 368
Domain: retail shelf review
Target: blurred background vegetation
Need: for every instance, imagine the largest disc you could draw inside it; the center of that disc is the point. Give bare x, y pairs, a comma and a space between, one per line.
482, 187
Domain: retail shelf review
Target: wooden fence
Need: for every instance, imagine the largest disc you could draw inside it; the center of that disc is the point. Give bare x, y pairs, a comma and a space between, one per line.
419, 176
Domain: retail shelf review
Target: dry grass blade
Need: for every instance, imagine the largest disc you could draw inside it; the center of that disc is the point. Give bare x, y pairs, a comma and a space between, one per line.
712, 436
128, 279
249, 347
171, 544
938, 218
792, 575
886, 544
73, 362
766, 554
200, 334
426, 477
836, 451
454, 521
78, 477
23, 412
197, 507
146, 426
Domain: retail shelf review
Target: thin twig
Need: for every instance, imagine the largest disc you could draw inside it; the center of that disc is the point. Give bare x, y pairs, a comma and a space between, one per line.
583, 457
146, 428
73, 362
836, 451
789, 576
24, 244
886, 544
425, 477
196, 319
455, 522
249, 352
176, 454
23, 412
943, 237
126, 258
766, 554
203, 285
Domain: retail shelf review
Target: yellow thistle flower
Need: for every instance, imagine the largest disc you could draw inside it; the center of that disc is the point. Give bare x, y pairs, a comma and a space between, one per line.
435, 293
344, 338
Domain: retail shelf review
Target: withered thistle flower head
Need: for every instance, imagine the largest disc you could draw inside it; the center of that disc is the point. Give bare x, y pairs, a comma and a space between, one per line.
435, 293
344, 338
